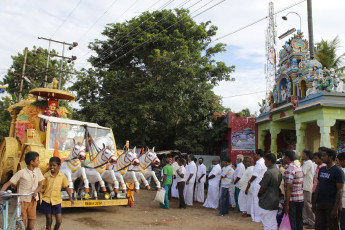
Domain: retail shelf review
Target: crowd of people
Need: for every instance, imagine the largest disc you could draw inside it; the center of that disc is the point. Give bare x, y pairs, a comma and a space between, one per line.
307, 189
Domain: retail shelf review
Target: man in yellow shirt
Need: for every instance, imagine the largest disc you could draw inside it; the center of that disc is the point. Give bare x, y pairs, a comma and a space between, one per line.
54, 180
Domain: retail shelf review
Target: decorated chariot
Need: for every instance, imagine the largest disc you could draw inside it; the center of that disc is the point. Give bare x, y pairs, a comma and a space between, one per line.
91, 162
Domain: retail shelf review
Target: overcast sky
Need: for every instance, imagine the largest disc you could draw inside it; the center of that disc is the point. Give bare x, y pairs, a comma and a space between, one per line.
21, 22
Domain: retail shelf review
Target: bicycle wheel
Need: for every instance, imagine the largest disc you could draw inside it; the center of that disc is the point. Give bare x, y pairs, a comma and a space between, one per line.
20, 225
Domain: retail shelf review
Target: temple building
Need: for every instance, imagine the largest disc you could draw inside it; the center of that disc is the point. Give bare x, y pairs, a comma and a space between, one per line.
306, 108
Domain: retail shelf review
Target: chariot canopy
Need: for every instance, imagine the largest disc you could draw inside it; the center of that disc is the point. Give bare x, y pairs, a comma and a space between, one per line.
53, 93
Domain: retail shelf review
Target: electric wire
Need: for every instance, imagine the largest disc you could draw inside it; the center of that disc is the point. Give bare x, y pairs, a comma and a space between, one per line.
135, 36
164, 29
152, 5
257, 21
242, 28
69, 15
124, 35
99, 18
162, 32
240, 95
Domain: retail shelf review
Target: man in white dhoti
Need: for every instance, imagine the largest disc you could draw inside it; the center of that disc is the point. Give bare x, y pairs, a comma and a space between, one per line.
245, 200
237, 176
200, 182
258, 173
212, 200
190, 180
174, 191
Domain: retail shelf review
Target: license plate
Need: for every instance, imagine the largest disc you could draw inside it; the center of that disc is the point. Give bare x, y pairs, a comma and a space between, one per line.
92, 203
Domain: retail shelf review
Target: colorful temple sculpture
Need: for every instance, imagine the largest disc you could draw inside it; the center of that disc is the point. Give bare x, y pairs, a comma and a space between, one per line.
306, 108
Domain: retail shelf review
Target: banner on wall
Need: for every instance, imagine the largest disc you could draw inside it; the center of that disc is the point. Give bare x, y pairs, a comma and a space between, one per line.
243, 140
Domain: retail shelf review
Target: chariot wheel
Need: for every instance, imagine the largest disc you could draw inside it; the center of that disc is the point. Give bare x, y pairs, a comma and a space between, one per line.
8, 154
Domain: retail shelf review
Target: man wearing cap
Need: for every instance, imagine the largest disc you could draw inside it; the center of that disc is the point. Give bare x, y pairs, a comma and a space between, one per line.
237, 176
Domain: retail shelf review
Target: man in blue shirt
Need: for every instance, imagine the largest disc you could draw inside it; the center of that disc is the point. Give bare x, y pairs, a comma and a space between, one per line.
328, 193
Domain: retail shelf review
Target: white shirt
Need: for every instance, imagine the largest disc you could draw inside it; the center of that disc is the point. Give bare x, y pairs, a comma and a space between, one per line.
175, 167
181, 170
239, 172
245, 178
259, 170
201, 170
217, 171
308, 171
191, 168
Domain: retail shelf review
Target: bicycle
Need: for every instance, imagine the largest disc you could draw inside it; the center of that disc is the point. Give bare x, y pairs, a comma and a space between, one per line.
16, 221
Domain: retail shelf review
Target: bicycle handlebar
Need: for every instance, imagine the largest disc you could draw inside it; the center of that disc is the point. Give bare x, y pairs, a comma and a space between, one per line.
8, 195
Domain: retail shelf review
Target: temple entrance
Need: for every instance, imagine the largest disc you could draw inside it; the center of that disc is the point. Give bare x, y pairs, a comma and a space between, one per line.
286, 139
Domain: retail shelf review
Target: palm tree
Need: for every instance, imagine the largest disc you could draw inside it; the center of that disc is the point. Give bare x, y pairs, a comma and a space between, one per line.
326, 54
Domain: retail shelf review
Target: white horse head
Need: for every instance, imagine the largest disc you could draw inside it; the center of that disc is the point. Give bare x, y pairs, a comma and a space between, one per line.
107, 155
131, 157
152, 157
78, 151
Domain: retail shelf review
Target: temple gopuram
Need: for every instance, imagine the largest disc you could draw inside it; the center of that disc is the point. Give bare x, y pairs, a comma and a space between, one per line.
306, 108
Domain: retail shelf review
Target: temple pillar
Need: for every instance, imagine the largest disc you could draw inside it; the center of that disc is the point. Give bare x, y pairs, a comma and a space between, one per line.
261, 141
300, 134
325, 130
274, 134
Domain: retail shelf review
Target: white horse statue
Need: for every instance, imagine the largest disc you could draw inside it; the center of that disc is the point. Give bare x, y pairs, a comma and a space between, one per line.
126, 159
312, 90
141, 171
96, 169
71, 167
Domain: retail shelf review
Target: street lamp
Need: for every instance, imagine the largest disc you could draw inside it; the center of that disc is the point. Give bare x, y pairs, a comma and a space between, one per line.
300, 20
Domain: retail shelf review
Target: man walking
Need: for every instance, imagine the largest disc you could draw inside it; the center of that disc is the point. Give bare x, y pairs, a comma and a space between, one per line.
269, 193
190, 180
328, 194
200, 182
212, 200
308, 171
258, 172
237, 176
293, 184
227, 177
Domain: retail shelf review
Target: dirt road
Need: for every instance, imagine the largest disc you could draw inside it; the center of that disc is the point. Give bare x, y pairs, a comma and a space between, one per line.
146, 214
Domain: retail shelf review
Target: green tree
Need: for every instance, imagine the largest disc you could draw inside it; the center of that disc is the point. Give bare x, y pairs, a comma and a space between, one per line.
35, 71
5, 118
326, 54
152, 81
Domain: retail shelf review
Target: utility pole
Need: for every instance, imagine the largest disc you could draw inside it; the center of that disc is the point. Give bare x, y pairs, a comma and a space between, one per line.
71, 46
310, 29
23, 74
47, 66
